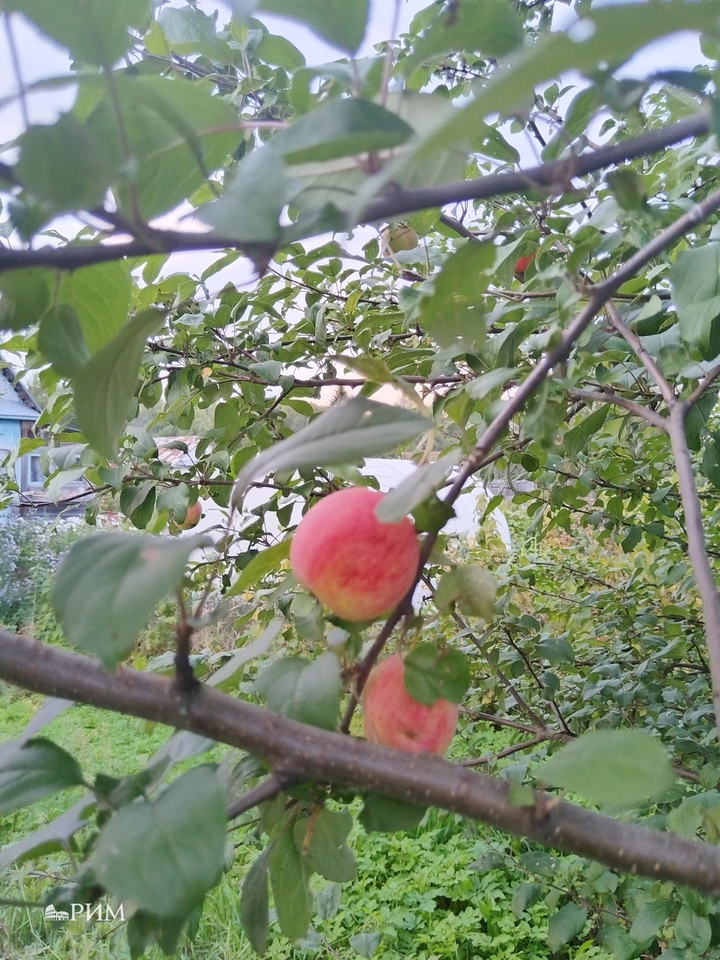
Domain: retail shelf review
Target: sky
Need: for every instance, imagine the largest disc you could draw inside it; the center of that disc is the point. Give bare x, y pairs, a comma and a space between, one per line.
40, 59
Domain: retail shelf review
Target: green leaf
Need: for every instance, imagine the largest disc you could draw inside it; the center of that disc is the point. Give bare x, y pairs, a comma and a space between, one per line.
250, 208
415, 489
267, 561
387, 815
61, 341
254, 903
289, 877
323, 842
618, 767
230, 673
65, 164
306, 690
488, 26
145, 929
577, 439
481, 386
166, 854
279, 52
629, 188
105, 386
695, 281
328, 901
472, 588
347, 431
95, 32
341, 128
525, 895
108, 586
365, 943
337, 21
177, 133
51, 707
692, 930
565, 925
632, 539
620, 944
432, 674
24, 297
650, 917
100, 295
189, 30
52, 836
453, 314
32, 770
711, 459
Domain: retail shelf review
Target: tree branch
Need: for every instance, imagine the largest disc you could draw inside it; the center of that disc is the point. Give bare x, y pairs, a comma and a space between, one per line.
701, 389
606, 396
697, 548
392, 204
267, 790
311, 753
544, 175
599, 295
515, 748
647, 361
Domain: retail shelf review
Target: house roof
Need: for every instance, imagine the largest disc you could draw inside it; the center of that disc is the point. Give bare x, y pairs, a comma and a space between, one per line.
15, 401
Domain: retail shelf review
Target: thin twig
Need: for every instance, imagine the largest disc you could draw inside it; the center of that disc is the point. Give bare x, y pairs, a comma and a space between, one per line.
514, 748
606, 396
267, 790
647, 361
697, 548
701, 388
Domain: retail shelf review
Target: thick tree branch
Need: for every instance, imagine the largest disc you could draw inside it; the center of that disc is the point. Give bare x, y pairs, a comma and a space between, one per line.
394, 203
310, 753
560, 172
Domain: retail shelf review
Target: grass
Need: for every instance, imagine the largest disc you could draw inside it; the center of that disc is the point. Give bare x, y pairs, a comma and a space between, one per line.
424, 891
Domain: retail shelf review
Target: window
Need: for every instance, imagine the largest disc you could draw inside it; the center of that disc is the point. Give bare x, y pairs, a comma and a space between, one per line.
36, 475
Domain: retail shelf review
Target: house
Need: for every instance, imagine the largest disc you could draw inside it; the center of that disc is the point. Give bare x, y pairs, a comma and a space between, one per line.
18, 415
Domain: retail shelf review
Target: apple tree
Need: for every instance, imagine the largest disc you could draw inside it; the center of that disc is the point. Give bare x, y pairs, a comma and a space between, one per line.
493, 216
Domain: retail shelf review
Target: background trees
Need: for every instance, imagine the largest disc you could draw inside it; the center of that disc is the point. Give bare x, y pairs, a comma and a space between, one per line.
555, 327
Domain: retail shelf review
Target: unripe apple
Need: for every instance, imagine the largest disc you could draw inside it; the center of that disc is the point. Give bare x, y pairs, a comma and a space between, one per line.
522, 263
192, 517
357, 566
400, 237
394, 718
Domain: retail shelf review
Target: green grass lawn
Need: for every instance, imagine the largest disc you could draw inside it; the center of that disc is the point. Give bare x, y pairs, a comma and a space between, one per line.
424, 891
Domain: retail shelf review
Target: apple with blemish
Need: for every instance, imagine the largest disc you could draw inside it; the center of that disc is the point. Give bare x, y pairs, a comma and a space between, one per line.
394, 718
192, 517
398, 238
356, 565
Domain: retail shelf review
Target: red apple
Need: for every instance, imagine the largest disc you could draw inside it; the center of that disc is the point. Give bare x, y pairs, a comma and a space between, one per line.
357, 566
192, 517
522, 263
394, 718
